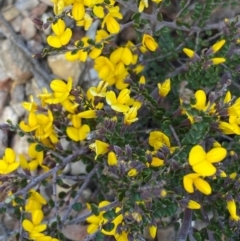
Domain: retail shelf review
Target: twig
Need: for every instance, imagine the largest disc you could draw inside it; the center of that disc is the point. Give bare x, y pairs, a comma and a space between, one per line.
54, 190
79, 193
84, 216
44, 176
36, 68
175, 136
186, 225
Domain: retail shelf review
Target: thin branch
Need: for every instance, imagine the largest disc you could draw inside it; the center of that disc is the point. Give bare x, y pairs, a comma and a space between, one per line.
79, 193
175, 136
36, 68
46, 175
84, 216
186, 225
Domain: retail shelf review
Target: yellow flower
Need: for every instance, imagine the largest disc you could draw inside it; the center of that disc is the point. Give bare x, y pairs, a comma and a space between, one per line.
142, 80
130, 116
132, 173
216, 61
99, 147
104, 67
164, 88
86, 22
77, 132
232, 127
61, 91
96, 222
121, 54
158, 139
153, 231
46, 238
80, 54
78, 10
36, 159
157, 1
193, 205
98, 11
149, 42
156, 162
62, 36
112, 159
217, 46
201, 161
231, 206
190, 53
30, 106
112, 25
118, 103
193, 179
35, 225
142, 4
87, 114
35, 201
8, 164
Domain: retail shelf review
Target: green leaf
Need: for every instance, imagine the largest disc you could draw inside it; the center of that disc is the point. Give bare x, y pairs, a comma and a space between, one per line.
108, 227
94, 209
39, 148
99, 237
77, 207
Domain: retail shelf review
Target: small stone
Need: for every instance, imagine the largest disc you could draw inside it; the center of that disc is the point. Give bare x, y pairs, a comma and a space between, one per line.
10, 12
14, 61
16, 23
3, 99
23, 5
3, 141
75, 232
64, 69
34, 46
39, 10
48, 2
28, 29
9, 114
20, 145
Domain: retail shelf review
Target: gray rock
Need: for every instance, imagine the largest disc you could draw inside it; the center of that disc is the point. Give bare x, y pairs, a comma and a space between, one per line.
14, 62
28, 29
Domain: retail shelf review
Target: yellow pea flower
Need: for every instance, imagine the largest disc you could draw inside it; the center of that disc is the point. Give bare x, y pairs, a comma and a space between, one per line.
46, 238
122, 54
157, 139
193, 205
190, 53
232, 208
8, 163
80, 54
99, 147
35, 225
77, 132
193, 179
118, 103
112, 25
78, 10
216, 61
217, 46
142, 4
164, 88
130, 116
98, 11
35, 201
133, 172
86, 22
149, 42
62, 34
104, 67
112, 159
153, 231
201, 161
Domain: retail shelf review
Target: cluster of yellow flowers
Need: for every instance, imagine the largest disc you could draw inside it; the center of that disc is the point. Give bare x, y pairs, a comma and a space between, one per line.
35, 227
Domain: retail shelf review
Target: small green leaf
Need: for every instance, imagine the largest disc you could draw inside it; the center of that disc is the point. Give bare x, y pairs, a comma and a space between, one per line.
77, 207
95, 209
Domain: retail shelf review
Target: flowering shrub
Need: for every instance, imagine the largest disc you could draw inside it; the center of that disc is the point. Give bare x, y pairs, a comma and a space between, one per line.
159, 133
